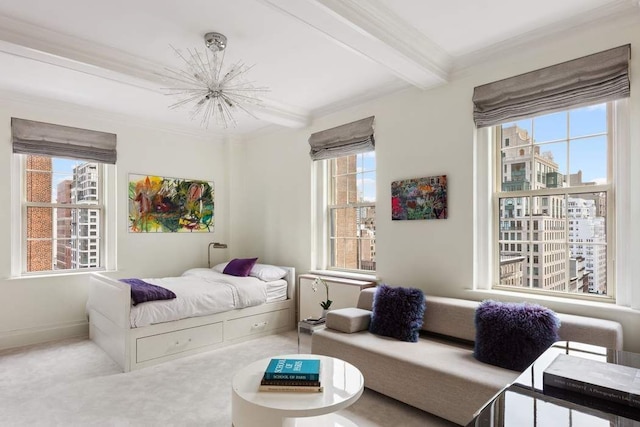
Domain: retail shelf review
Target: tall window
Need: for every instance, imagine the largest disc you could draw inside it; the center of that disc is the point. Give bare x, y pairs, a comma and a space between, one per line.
62, 214
553, 201
59, 197
352, 212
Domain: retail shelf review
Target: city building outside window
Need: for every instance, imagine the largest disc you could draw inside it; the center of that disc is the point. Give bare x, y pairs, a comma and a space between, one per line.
557, 169
62, 214
351, 212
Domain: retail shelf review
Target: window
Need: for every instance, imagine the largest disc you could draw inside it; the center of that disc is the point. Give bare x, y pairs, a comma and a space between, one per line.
561, 173
351, 212
60, 198
345, 197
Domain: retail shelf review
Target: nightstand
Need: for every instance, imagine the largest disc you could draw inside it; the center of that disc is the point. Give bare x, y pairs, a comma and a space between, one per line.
305, 331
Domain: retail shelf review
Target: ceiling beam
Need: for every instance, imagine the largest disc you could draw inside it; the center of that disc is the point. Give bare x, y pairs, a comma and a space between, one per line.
371, 29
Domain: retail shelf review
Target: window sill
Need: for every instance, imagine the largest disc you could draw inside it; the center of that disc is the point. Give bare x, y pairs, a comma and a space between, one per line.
29, 276
563, 304
345, 275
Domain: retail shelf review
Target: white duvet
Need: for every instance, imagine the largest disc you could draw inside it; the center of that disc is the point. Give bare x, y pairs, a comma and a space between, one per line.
199, 292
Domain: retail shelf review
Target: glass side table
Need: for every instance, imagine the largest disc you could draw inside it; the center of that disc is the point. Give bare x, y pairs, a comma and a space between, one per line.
524, 403
305, 330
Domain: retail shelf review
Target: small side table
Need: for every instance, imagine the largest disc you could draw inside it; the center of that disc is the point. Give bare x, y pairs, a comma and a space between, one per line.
306, 328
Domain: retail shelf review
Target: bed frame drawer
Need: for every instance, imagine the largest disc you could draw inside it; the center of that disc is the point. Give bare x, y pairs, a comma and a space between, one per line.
244, 326
156, 346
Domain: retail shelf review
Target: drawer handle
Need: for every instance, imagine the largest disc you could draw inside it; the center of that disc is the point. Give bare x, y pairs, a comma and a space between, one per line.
178, 343
260, 324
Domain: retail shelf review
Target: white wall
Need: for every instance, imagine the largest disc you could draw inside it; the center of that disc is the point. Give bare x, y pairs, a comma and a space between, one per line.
418, 133
43, 308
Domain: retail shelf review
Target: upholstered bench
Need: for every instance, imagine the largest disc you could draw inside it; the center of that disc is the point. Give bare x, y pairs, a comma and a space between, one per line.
439, 373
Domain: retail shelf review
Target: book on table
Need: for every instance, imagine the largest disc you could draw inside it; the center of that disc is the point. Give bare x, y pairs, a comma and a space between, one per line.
299, 375
606, 381
293, 369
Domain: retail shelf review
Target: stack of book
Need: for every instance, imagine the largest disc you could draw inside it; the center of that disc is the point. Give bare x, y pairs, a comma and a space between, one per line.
605, 386
300, 375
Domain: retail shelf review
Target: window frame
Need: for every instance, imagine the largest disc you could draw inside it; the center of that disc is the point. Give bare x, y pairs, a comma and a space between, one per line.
106, 234
322, 221
486, 229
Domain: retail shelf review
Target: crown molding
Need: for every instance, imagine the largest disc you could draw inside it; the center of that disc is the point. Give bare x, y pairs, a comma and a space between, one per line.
375, 32
362, 98
624, 11
29, 41
45, 105
278, 113
52, 46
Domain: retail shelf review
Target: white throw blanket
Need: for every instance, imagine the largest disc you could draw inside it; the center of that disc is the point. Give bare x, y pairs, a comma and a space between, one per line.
199, 292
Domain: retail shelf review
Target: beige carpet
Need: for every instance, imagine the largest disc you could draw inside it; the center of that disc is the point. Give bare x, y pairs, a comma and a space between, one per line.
74, 383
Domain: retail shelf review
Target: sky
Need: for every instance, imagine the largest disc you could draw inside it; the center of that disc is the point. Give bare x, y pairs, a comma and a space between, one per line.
367, 180
588, 154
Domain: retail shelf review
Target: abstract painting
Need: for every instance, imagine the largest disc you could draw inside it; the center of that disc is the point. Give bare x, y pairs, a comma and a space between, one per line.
419, 198
160, 205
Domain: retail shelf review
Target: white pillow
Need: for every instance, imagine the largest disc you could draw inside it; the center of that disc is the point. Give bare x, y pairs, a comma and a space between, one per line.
220, 267
264, 272
267, 273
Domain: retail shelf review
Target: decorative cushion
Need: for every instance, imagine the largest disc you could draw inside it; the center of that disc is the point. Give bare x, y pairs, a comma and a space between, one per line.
142, 291
397, 312
268, 273
349, 320
240, 267
513, 335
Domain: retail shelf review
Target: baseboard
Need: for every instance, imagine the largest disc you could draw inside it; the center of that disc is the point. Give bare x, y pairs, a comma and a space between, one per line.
22, 337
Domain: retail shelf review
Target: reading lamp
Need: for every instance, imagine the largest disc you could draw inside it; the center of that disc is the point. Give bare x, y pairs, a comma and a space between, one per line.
215, 245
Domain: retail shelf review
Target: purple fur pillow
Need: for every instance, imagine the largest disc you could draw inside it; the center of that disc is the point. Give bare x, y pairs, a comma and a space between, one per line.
397, 312
513, 335
240, 267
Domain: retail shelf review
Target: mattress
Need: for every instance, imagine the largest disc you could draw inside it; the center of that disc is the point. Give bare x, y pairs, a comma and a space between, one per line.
276, 290
201, 292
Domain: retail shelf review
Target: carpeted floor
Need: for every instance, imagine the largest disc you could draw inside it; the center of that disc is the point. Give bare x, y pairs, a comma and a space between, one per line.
74, 383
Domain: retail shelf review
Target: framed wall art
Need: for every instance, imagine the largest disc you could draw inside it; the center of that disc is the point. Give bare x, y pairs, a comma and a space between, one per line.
170, 205
419, 198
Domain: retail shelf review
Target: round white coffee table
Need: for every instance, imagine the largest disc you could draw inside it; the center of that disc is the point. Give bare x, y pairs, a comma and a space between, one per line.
342, 385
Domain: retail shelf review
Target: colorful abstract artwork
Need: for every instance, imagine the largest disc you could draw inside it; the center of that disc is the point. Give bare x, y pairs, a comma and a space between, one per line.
170, 205
419, 198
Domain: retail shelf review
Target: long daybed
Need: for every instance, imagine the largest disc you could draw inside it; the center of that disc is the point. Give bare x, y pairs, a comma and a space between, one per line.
125, 333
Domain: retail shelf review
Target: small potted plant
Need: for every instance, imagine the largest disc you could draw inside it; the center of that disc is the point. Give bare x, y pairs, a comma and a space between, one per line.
324, 304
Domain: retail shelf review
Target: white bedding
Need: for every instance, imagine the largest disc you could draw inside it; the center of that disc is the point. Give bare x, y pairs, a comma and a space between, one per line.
200, 292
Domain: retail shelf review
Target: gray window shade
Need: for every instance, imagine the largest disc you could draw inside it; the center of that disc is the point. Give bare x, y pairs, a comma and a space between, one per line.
344, 140
46, 139
592, 79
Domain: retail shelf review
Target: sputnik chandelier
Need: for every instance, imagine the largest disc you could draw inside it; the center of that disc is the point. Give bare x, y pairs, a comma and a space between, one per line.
216, 93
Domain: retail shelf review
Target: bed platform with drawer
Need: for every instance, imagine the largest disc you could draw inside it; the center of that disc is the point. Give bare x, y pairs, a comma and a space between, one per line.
137, 336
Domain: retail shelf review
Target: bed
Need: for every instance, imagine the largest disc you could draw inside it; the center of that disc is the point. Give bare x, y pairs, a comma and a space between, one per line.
137, 336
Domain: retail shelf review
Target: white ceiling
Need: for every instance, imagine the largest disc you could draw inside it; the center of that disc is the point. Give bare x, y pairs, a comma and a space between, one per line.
315, 55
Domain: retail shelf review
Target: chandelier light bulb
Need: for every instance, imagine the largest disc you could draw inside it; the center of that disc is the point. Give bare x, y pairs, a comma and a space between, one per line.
215, 93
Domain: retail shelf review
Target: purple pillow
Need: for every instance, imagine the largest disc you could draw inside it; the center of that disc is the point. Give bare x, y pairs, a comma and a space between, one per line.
142, 291
240, 267
397, 312
513, 335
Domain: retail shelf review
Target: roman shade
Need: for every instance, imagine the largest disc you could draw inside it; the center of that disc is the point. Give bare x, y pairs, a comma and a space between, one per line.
592, 79
45, 139
351, 138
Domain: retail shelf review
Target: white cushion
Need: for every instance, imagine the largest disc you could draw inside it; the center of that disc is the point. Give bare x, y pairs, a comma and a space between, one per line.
268, 273
220, 267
